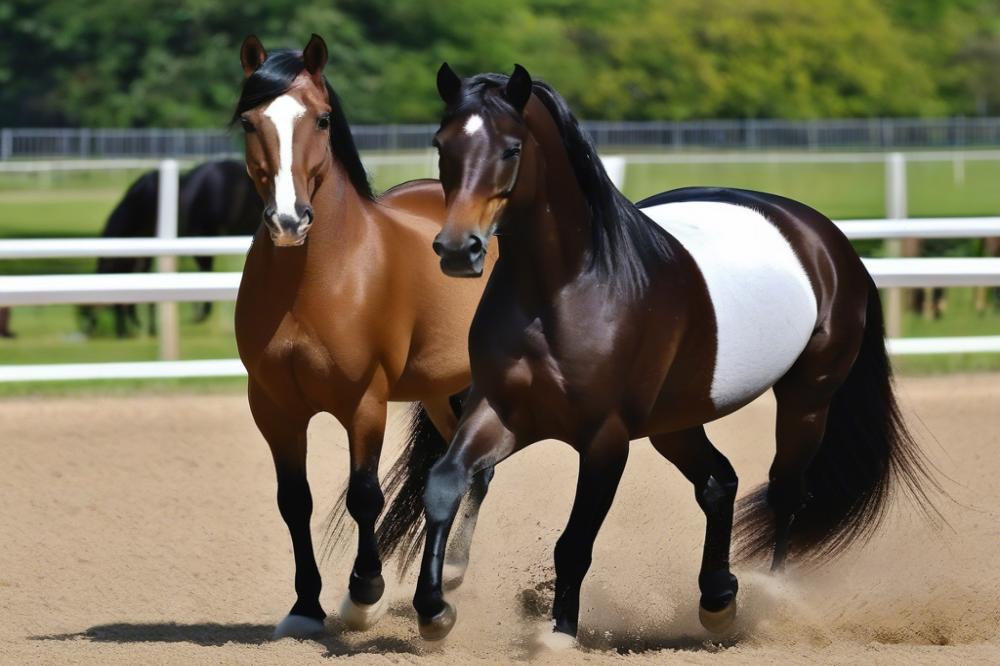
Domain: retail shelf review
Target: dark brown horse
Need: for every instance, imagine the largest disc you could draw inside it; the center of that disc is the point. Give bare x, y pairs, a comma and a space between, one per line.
603, 322
341, 309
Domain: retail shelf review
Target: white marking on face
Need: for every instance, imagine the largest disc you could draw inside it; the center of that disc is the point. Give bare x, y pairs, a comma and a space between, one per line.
765, 307
473, 124
283, 112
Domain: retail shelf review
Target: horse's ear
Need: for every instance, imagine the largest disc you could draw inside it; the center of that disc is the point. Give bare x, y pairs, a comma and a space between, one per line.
315, 55
518, 88
252, 55
448, 83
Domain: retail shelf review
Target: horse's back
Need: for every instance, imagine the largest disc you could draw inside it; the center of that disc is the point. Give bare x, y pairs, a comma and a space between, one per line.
219, 198
423, 197
763, 297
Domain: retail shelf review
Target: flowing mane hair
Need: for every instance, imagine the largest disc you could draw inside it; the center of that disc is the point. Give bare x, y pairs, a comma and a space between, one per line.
273, 79
627, 245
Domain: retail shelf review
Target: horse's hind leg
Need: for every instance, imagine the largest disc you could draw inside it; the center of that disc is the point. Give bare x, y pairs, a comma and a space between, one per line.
461, 541
803, 395
715, 485
286, 436
364, 604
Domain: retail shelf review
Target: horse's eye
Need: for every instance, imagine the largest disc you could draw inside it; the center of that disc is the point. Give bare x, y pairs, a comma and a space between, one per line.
511, 152
323, 123
247, 125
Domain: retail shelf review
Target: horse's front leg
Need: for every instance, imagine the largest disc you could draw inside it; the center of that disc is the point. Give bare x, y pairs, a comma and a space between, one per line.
602, 462
285, 433
444, 415
364, 603
481, 442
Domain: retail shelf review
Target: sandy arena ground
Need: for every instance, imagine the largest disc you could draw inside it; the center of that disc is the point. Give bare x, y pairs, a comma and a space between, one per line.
144, 530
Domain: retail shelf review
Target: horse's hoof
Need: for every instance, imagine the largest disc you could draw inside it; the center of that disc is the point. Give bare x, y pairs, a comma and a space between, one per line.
437, 627
359, 617
718, 621
298, 626
453, 575
548, 640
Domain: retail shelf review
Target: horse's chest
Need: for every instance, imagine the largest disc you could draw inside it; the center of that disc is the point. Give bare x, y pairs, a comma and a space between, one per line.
764, 305
533, 389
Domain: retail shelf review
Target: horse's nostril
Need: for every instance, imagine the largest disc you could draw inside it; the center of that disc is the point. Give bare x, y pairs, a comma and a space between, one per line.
438, 247
475, 245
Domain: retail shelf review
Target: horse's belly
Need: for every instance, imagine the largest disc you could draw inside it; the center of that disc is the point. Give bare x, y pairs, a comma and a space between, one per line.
765, 307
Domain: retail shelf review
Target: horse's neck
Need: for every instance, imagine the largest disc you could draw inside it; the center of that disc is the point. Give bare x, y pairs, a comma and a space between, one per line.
341, 214
551, 246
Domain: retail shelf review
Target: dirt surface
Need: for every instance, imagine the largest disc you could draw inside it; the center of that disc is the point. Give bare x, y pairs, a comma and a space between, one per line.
144, 530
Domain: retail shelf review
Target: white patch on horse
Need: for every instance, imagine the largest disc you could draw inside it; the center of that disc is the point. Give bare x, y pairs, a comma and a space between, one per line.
473, 124
283, 112
765, 307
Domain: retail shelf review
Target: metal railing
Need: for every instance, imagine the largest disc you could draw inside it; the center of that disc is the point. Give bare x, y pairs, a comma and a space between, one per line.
744, 134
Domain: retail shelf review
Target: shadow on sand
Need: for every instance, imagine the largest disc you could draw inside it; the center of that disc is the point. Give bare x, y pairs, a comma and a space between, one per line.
210, 634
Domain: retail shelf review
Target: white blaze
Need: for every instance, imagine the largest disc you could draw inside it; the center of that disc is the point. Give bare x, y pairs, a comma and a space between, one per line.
283, 112
473, 124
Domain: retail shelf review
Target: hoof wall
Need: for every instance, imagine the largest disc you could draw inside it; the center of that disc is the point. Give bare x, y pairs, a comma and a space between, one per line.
437, 627
358, 617
453, 575
718, 621
298, 626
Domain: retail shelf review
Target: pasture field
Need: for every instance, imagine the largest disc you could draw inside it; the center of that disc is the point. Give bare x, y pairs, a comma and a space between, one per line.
144, 529
76, 204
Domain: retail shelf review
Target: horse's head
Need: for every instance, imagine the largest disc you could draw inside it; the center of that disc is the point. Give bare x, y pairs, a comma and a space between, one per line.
285, 110
487, 159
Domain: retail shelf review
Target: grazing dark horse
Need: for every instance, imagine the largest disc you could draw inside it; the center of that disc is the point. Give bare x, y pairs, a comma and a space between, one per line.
215, 199
342, 309
603, 322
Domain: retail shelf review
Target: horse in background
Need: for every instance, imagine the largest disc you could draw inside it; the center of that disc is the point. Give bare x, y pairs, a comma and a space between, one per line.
216, 199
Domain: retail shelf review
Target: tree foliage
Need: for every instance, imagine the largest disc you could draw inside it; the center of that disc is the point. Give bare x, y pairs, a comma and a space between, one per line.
151, 63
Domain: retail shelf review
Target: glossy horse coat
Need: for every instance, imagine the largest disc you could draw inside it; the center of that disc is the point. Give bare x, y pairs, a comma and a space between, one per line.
604, 322
341, 309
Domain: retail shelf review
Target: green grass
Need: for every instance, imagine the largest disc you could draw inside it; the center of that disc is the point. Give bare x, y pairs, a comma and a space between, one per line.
77, 204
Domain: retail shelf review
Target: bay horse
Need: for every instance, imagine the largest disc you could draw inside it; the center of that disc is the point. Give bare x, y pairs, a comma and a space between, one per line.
215, 199
604, 322
341, 309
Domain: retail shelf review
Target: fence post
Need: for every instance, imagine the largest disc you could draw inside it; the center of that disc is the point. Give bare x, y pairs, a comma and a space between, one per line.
166, 227
614, 165
6, 143
895, 209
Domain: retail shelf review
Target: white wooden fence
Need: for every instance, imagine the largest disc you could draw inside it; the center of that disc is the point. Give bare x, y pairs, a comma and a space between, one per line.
168, 287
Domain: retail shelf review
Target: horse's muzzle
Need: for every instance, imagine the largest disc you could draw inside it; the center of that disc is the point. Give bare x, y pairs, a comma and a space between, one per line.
461, 257
286, 230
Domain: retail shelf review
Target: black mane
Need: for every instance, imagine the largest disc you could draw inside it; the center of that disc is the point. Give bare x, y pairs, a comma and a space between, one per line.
626, 244
273, 79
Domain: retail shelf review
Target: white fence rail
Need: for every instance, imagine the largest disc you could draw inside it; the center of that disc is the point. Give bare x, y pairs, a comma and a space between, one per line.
197, 287
170, 287
63, 248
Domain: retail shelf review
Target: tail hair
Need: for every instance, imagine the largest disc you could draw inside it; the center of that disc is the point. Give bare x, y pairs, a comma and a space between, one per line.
867, 453
401, 527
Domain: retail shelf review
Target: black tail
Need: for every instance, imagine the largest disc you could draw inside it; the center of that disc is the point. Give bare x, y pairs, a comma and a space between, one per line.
867, 452
401, 527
